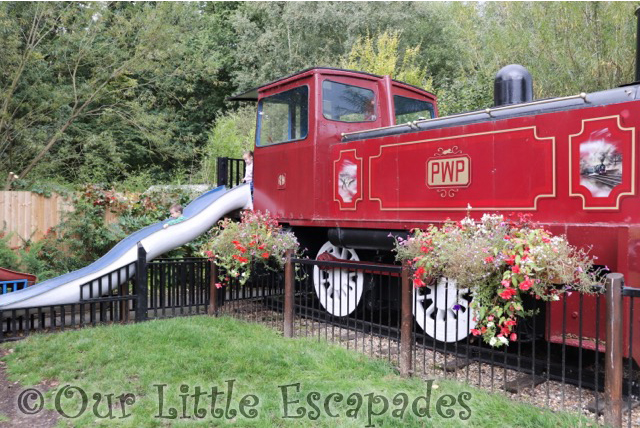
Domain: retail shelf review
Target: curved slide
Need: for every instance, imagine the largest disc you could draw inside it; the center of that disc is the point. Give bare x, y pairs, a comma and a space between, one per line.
201, 214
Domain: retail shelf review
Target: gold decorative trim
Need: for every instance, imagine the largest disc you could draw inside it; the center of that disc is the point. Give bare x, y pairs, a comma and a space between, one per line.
360, 185
633, 164
453, 137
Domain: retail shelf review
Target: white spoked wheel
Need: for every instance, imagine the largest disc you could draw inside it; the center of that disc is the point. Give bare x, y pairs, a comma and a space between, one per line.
443, 311
339, 290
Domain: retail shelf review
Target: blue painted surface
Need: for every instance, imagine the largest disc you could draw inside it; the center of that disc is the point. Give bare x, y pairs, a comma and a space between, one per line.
14, 285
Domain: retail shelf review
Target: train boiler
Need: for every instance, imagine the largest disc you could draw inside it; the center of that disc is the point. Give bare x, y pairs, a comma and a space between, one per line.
349, 159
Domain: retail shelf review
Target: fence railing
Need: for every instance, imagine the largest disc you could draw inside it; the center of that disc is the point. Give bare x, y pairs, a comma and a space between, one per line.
134, 292
230, 172
577, 354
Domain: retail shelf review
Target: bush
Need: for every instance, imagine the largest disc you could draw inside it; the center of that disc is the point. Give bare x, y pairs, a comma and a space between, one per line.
8, 258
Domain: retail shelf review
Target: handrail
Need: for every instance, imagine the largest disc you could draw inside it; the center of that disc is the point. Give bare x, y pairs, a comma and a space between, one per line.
487, 111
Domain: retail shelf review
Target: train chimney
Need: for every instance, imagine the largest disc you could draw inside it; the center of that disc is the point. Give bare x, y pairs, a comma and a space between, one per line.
512, 85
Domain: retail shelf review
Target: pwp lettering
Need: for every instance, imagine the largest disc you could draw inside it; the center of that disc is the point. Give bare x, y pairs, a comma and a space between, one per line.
449, 172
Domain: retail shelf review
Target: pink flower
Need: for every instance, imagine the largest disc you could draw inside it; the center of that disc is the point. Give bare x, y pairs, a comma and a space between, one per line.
513, 337
488, 259
515, 269
218, 285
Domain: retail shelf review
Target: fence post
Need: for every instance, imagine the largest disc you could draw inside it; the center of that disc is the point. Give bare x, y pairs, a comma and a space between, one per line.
213, 290
141, 284
406, 322
613, 352
289, 279
222, 165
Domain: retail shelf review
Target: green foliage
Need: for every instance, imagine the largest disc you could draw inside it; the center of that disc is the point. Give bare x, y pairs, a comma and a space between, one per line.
8, 258
277, 39
381, 55
83, 235
126, 87
232, 134
569, 47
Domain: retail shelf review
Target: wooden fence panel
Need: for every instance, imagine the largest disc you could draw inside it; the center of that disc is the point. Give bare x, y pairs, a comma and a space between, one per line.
29, 215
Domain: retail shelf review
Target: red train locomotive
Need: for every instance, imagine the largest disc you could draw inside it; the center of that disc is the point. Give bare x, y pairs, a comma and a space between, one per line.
347, 159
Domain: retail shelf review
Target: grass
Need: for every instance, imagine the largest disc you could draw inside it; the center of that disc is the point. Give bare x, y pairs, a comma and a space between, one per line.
3, 418
211, 352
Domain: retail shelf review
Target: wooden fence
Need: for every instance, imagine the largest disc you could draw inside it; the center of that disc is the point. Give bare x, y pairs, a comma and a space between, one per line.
29, 215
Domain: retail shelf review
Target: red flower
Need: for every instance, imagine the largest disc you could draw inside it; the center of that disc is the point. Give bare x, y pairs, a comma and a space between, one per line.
510, 322
508, 293
526, 284
515, 269
265, 255
511, 260
262, 247
488, 259
475, 332
505, 331
513, 337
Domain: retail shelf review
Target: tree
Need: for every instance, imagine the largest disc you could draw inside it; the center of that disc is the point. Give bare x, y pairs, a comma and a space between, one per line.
275, 39
381, 55
98, 90
232, 134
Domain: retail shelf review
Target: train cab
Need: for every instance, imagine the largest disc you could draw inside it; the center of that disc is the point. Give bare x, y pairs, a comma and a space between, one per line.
301, 116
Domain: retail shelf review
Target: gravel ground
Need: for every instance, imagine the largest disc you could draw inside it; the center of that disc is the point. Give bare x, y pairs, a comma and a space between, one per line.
428, 364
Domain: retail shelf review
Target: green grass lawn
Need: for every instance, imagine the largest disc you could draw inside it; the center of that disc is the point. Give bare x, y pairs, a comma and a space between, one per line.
204, 352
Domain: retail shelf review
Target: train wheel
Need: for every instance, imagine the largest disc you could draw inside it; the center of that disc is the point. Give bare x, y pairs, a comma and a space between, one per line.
339, 290
443, 311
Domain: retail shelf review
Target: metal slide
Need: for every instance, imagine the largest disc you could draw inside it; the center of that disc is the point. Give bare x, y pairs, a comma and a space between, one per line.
201, 214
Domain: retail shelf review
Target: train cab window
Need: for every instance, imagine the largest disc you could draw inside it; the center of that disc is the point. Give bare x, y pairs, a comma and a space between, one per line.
347, 103
283, 117
410, 109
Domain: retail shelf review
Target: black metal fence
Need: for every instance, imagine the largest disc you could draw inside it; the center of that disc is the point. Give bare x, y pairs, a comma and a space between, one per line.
566, 357
229, 171
579, 353
135, 292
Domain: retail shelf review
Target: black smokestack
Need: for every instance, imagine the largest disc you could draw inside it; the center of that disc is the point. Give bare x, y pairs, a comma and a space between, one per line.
512, 85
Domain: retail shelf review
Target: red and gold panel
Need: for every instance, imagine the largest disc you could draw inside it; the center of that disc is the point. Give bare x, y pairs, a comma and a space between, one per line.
496, 170
602, 163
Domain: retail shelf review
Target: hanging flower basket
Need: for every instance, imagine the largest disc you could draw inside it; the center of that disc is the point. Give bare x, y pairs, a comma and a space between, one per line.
256, 240
501, 262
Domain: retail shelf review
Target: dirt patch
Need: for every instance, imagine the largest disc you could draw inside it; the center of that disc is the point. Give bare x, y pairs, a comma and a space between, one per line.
12, 392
